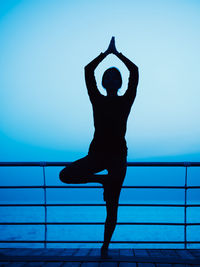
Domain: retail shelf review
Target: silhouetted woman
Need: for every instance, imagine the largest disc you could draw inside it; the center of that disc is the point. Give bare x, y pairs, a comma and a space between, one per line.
108, 148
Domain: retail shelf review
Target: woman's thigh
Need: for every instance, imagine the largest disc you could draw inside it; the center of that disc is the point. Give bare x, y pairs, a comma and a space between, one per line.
116, 175
82, 167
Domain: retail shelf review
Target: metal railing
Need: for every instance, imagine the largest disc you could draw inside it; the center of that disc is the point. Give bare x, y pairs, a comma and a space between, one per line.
129, 164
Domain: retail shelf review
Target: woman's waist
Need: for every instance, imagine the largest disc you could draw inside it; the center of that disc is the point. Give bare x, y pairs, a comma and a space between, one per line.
108, 145
112, 136
109, 140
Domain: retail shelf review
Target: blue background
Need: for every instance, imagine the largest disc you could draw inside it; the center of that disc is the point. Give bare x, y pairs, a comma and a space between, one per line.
45, 113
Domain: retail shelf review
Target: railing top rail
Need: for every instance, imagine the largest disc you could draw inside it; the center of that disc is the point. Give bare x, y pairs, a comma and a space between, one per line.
129, 163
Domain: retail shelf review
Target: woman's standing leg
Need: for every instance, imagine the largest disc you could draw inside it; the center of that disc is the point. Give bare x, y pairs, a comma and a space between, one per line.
117, 172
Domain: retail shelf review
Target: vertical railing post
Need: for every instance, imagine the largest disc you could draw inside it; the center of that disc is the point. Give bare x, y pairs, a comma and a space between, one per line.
45, 205
185, 209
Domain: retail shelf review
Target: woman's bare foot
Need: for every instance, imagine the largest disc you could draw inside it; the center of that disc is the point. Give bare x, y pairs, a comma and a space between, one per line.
104, 253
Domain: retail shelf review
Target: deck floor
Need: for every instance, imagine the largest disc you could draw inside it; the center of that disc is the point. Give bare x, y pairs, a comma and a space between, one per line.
91, 257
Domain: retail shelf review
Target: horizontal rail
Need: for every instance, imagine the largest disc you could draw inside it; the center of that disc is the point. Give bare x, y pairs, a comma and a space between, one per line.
79, 186
93, 205
92, 241
94, 223
130, 163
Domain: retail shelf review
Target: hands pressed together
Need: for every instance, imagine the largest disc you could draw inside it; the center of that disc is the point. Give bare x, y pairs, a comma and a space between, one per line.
112, 48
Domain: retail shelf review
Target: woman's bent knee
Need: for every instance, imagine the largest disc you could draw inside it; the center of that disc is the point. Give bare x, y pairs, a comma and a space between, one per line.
64, 176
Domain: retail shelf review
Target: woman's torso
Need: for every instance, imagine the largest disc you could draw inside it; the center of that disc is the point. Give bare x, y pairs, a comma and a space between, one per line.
110, 121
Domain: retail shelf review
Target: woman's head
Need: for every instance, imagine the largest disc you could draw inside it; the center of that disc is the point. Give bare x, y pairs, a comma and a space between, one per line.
112, 80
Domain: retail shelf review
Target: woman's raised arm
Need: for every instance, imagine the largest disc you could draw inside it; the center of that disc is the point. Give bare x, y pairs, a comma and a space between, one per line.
133, 77
89, 72
90, 77
133, 69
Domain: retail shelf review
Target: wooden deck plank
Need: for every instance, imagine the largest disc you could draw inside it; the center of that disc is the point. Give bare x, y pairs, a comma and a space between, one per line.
49, 252
114, 252
53, 264
126, 252
184, 254
15, 264
146, 264
57, 251
67, 252
17, 251
169, 253
127, 264
37, 252
71, 264
35, 264
4, 264
108, 264
184, 265
163, 265
82, 252
155, 253
43, 252
195, 253
94, 252
141, 253
90, 264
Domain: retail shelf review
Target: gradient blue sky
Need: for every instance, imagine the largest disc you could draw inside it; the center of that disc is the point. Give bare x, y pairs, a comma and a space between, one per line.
45, 113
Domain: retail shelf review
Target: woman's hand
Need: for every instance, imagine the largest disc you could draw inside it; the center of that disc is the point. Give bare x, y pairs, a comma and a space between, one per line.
111, 47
